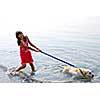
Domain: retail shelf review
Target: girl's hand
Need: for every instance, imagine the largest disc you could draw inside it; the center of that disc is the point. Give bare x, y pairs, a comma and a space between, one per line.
38, 50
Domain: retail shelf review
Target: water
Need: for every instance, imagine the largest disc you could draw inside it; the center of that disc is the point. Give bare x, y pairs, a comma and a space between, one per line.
80, 49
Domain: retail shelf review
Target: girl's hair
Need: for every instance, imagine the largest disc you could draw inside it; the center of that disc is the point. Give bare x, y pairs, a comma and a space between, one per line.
18, 39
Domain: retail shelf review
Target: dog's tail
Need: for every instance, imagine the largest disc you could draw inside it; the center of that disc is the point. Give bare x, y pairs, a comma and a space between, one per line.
61, 66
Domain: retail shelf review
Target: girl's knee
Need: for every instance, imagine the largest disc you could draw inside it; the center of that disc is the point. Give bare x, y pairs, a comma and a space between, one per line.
24, 65
31, 64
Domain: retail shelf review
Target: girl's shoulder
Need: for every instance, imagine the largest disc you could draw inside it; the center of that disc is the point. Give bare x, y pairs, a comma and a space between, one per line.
26, 37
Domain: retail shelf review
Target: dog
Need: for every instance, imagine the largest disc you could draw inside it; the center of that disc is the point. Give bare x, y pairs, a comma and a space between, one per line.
86, 73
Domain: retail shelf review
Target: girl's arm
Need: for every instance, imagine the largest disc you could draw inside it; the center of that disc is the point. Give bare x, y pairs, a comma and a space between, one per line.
25, 46
32, 44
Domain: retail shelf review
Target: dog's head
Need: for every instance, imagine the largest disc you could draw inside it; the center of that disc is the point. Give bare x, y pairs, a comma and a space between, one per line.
87, 73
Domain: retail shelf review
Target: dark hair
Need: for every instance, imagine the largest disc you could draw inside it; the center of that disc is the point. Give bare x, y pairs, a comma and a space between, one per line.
18, 39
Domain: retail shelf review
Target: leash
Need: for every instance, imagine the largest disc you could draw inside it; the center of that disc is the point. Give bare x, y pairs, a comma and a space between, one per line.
81, 72
58, 59
62, 61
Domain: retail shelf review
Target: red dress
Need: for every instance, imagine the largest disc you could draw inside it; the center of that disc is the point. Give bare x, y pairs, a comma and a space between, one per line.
25, 54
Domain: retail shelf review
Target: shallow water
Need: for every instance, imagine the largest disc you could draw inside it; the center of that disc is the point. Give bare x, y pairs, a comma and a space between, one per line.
80, 49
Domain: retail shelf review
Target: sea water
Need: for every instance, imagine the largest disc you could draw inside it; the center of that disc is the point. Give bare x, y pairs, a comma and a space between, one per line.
80, 49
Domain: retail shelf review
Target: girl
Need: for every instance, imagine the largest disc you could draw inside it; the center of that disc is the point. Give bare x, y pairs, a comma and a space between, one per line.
25, 53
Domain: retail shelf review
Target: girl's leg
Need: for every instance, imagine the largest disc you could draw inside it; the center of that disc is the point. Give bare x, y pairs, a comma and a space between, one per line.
32, 67
21, 67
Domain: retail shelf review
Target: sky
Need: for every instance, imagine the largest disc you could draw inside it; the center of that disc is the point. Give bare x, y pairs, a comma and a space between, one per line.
45, 16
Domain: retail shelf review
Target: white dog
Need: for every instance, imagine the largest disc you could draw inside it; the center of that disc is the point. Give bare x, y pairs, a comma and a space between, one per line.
78, 71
